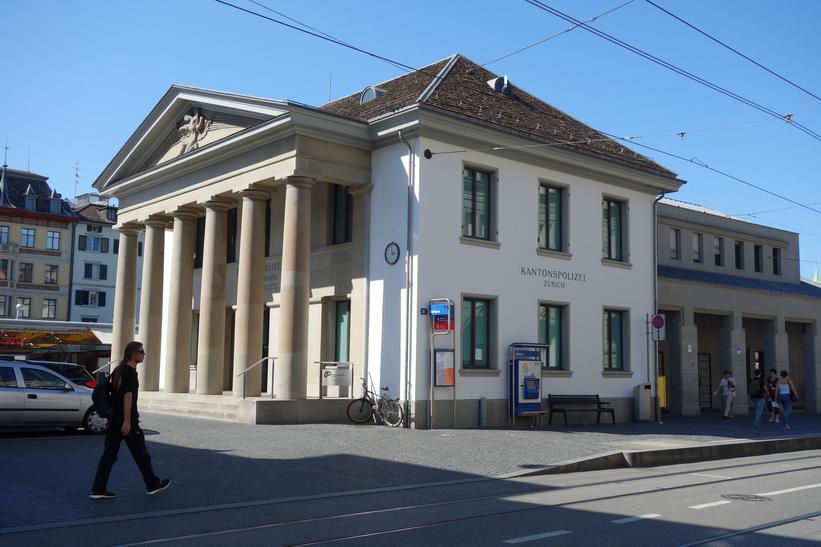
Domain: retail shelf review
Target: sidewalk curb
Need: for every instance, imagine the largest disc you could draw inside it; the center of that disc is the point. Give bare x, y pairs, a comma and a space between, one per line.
670, 456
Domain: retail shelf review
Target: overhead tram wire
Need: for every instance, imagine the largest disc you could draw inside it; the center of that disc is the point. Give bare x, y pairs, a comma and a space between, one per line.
309, 27
717, 171
407, 68
568, 29
759, 65
327, 37
321, 36
787, 118
613, 137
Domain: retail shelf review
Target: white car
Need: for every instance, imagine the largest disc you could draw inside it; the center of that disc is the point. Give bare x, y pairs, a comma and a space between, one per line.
33, 396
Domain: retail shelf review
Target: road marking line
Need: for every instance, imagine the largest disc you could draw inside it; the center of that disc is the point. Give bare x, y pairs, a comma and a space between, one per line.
788, 490
706, 505
634, 519
711, 476
537, 536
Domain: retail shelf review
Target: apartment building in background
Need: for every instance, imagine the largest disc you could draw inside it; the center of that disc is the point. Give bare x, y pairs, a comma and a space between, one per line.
96, 246
35, 248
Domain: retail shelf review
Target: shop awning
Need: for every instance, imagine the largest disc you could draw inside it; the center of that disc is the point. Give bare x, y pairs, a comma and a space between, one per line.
24, 333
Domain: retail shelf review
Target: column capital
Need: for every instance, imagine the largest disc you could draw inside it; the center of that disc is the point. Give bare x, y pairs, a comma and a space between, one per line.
255, 193
158, 221
185, 213
303, 182
360, 190
130, 228
218, 204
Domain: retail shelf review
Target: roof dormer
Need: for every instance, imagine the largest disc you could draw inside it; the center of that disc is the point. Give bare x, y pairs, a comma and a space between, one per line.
501, 85
370, 93
30, 199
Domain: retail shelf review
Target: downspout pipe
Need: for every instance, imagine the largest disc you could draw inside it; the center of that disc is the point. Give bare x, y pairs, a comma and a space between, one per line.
653, 375
409, 277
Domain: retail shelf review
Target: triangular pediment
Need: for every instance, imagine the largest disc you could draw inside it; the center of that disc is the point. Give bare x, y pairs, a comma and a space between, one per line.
187, 121
198, 128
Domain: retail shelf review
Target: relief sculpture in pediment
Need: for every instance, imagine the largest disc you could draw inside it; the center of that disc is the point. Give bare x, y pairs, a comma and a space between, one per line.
193, 128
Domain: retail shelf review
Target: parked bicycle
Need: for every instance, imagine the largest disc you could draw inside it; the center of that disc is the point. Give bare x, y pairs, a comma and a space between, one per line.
371, 405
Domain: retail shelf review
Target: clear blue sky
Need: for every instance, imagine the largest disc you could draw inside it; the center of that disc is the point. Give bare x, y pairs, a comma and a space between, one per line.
79, 77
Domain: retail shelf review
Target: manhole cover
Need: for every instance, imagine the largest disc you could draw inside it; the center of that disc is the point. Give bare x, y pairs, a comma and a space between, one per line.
744, 497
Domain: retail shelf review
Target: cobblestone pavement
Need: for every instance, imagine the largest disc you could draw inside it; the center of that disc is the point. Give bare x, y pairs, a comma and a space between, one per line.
47, 474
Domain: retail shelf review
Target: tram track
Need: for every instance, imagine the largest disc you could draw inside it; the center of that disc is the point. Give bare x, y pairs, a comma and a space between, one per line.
429, 515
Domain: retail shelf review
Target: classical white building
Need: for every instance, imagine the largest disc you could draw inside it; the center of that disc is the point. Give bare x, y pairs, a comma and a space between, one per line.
324, 234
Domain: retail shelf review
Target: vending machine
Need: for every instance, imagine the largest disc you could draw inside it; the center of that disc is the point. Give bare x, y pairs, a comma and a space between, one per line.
525, 363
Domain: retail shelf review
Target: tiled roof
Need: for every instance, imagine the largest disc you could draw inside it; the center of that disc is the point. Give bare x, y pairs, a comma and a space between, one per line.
94, 213
459, 86
737, 281
16, 185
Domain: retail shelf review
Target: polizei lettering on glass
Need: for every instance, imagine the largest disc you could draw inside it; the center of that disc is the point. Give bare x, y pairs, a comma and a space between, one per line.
555, 279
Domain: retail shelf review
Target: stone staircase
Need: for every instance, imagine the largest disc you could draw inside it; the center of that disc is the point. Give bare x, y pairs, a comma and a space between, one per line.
251, 410
214, 407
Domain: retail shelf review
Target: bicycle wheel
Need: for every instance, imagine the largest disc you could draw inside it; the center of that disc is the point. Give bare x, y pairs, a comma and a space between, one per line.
392, 413
360, 410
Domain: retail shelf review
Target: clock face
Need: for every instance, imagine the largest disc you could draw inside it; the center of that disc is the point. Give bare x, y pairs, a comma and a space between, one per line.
392, 253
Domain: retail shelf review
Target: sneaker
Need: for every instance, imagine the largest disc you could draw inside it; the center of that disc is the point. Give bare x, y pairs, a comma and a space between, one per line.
776, 420
772, 419
759, 425
105, 495
785, 426
162, 485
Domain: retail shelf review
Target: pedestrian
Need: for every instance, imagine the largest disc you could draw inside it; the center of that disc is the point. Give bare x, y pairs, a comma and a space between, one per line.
124, 425
727, 389
787, 395
757, 393
772, 395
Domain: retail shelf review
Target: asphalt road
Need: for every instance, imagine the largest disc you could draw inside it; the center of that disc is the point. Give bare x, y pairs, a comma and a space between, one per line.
236, 477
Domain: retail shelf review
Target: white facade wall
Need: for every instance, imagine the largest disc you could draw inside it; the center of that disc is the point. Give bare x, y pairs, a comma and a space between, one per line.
447, 267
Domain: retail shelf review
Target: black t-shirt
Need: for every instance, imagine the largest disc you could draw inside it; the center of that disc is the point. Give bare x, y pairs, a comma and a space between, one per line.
759, 393
128, 382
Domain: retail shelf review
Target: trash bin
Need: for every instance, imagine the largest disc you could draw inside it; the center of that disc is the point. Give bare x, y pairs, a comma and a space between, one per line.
643, 402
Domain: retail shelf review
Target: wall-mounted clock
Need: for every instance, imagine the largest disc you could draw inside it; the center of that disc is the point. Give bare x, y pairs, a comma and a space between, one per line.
392, 253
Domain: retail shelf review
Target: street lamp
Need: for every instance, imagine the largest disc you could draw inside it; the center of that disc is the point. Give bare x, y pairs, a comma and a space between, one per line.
19, 308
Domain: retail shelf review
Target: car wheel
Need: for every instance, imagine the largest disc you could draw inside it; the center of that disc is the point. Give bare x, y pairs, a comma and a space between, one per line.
93, 423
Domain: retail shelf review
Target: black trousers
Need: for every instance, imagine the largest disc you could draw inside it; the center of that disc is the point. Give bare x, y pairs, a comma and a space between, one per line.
135, 441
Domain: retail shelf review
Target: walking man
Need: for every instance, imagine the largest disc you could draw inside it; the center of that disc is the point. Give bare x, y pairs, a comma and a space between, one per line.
756, 391
125, 426
727, 389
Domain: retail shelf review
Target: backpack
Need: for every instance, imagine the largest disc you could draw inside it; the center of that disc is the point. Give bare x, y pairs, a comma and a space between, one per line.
103, 399
754, 388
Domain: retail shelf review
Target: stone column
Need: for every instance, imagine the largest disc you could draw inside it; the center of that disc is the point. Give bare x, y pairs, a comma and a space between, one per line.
125, 292
211, 345
811, 390
687, 337
291, 371
776, 345
178, 336
359, 278
151, 303
250, 294
733, 337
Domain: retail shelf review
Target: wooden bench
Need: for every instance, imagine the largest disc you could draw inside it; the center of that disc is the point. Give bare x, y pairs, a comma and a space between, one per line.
557, 402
